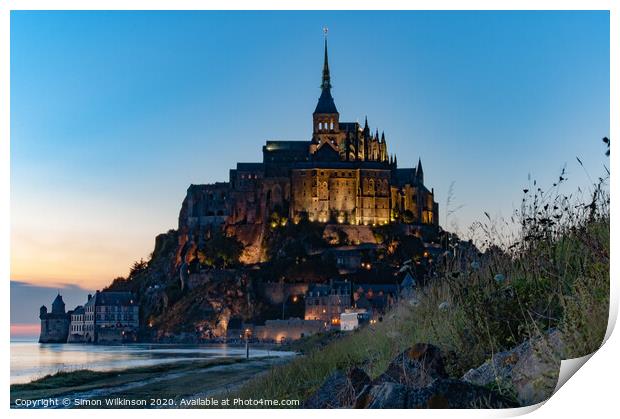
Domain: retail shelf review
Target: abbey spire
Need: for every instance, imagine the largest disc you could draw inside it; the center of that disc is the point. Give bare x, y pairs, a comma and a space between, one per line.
326, 84
326, 103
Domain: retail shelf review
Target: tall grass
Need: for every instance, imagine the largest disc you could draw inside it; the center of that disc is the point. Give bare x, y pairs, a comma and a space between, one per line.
547, 267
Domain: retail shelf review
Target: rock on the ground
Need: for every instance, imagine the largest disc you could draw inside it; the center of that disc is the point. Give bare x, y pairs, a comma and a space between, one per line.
418, 366
339, 390
530, 370
456, 394
442, 394
358, 379
385, 395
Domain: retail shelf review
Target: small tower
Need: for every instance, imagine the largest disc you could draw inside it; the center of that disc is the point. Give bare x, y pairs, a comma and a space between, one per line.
326, 119
383, 144
419, 173
54, 324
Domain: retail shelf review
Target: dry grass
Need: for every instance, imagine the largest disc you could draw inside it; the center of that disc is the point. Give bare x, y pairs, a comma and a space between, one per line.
548, 267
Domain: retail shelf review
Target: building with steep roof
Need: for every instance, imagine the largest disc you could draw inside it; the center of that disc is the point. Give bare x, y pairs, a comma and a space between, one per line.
325, 302
111, 316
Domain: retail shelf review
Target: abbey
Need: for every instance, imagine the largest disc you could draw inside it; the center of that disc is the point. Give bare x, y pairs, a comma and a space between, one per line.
342, 174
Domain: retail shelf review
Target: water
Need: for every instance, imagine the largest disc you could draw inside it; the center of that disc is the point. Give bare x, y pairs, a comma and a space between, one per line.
32, 360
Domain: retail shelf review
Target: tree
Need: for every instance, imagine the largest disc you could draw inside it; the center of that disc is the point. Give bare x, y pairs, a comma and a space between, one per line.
137, 268
220, 251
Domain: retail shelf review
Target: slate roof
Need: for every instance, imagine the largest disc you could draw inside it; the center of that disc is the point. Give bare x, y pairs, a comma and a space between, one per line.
326, 103
112, 298
250, 167
349, 126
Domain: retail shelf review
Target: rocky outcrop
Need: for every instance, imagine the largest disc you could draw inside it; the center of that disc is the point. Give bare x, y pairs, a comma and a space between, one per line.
530, 370
442, 394
418, 366
339, 390
355, 234
414, 379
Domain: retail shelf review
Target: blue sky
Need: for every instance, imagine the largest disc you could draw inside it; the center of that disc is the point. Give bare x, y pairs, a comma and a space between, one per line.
114, 114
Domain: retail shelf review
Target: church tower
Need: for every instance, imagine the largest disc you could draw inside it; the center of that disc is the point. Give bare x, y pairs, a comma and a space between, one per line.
326, 119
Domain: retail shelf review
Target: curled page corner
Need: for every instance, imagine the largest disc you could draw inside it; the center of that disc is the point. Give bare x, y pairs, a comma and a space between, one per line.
518, 411
568, 368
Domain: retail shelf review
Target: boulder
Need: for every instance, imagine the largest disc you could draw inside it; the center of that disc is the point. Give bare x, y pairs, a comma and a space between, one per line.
417, 367
385, 395
358, 379
339, 390
529, 370
456, 394
442, 394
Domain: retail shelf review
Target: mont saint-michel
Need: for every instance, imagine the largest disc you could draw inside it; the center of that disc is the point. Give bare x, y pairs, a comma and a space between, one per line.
343, 174
341, 189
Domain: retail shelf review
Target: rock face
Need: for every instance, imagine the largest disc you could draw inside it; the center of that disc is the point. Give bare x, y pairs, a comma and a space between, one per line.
414, 379
530, 370
418, 366
339, 390
442, 394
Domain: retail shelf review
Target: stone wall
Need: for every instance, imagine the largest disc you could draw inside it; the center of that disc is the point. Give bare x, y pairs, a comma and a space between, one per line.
54, 330
286, 330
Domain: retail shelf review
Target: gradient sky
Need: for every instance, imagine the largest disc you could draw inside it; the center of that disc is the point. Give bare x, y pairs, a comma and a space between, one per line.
114, 114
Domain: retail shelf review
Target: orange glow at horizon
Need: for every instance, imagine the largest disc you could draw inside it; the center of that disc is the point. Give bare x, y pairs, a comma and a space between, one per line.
25, 329
73, 259
61, 246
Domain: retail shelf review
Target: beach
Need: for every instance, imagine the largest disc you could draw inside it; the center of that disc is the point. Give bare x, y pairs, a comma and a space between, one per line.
140, 375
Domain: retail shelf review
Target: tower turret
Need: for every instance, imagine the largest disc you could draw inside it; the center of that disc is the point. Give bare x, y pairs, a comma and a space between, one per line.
58, 306
419, 173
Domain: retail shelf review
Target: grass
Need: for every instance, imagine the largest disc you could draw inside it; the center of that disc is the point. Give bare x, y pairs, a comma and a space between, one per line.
549, 269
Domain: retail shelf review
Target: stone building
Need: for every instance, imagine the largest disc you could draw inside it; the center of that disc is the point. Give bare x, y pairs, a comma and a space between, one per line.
110, 316
342, 174
325, 302
376, 298
76, 327
54, 324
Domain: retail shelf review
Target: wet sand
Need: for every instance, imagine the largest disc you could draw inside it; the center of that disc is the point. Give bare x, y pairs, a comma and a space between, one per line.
178, 385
